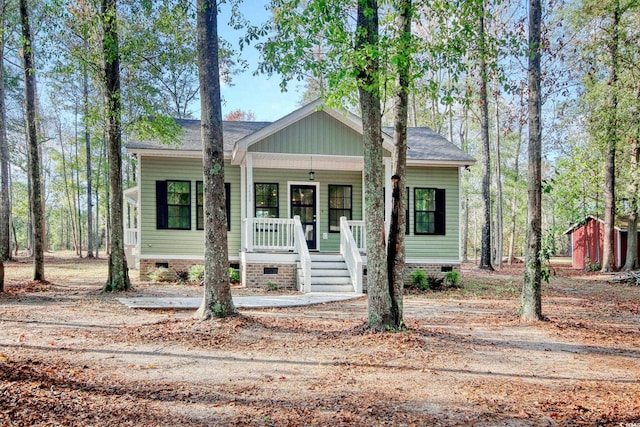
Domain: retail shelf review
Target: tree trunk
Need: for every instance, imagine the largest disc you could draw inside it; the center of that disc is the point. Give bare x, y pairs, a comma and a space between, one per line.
70, 201
465, 201
118, 279
78, 211
608, 254
631, 262
35, 182
87, 143
379, 300
217, 300
499, 221
396, 249
531, 289
514, 201
5, 206
97, 234
485, 253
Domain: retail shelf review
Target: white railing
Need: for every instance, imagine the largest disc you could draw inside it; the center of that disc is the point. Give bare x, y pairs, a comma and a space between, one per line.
359, 235
351, 252
268, 234
303, 253
131, 236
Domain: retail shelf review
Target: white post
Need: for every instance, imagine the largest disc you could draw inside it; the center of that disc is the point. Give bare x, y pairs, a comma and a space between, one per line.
387, 194
249, 202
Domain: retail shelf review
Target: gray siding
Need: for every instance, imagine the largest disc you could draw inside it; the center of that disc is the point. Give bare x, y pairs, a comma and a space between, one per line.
181, 242
432, 247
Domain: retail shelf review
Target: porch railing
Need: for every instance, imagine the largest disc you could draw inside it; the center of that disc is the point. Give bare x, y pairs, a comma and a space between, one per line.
351, 253
303, 253
268, 234
359, 234
131, 236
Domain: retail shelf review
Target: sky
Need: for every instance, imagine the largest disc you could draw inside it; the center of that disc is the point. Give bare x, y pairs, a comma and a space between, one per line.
259, 94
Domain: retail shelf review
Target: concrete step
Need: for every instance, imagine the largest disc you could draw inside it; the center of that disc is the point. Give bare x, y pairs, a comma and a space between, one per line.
329, 272
326, 257
340, 280
328, 265
331, 288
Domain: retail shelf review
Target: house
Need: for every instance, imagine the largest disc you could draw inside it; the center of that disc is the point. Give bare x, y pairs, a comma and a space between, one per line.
587, 240
295, 201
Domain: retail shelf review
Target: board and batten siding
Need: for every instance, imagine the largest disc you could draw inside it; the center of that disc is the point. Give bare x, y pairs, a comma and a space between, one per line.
323, 179
319, 133
435, 247
181, 242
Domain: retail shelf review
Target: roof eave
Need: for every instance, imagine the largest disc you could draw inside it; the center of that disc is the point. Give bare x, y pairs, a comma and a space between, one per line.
440, 163
155, 152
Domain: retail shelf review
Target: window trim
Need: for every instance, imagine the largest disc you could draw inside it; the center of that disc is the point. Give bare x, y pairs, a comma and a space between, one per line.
255, 198
407, 228
227, 198
338, 209
439, 226
163, 205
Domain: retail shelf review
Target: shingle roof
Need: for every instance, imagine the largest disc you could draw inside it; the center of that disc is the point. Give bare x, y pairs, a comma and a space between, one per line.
423, 143
191, 139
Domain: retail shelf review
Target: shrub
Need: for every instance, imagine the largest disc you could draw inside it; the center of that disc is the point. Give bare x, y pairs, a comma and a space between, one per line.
435, 283
419, 280
196, 273
593, 266
272, 286
161, 274
182, 276
234, 276
451, 278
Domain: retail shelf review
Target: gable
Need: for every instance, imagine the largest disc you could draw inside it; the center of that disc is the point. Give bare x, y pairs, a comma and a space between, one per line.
317, 133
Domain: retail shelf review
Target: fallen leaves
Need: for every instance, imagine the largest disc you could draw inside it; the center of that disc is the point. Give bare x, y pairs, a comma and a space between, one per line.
465, 359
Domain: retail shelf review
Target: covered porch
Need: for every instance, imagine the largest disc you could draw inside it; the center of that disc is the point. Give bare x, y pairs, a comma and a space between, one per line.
282, 241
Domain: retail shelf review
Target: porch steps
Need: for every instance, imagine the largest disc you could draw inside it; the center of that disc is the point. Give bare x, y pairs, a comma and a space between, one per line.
329, 273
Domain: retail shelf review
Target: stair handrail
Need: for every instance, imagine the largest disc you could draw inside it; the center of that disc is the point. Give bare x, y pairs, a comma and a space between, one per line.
351, 254
301, 248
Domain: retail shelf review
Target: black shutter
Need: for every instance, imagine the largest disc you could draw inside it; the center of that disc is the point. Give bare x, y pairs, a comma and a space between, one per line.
440, 212
162, 214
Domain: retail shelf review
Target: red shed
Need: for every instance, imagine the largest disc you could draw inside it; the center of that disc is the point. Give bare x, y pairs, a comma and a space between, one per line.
587, 239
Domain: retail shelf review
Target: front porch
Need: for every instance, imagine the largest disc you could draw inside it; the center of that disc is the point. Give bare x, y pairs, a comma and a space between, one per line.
273, 243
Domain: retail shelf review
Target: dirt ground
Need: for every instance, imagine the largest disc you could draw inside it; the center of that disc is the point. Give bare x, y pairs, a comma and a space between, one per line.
72, 356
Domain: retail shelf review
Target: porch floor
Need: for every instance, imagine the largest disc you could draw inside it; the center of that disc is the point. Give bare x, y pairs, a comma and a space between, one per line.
261, 301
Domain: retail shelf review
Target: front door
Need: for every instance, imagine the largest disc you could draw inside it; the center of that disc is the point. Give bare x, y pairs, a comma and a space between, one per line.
303, 203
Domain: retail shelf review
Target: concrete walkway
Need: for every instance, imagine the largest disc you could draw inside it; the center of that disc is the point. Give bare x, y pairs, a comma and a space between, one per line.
258, 301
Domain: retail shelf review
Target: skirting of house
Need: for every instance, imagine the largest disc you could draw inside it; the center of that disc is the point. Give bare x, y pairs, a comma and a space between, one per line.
265, 270
149, 265
435, 269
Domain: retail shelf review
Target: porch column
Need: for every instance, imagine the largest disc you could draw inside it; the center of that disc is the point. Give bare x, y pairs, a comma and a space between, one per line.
249, 179
243, 190
387, 194
250, 202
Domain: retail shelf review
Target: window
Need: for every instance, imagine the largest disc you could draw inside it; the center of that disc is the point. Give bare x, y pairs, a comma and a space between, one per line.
200, 204
173, 205
339, 205
428, 211
266, 200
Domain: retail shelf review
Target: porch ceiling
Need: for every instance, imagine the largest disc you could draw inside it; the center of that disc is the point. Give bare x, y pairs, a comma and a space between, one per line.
296, 161
131, 194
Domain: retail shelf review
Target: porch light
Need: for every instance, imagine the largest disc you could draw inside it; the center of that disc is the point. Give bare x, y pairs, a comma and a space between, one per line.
312, 174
